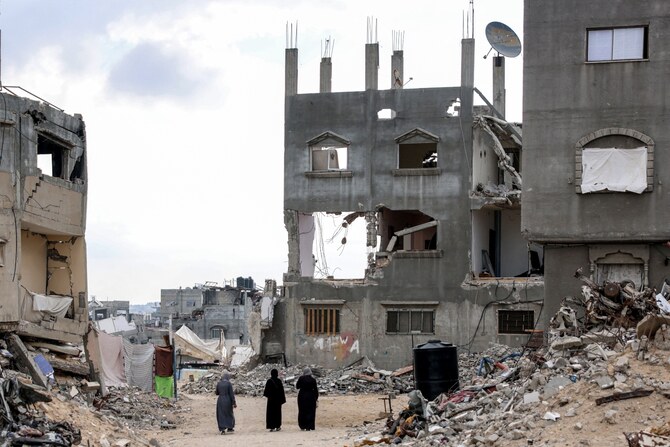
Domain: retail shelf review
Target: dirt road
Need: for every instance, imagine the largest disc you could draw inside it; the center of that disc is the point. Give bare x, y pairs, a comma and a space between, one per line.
335, 419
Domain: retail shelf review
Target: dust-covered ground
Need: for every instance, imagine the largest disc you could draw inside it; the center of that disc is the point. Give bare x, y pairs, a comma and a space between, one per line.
339, 420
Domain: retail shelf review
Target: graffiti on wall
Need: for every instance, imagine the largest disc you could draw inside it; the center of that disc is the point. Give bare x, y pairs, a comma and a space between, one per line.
341, 345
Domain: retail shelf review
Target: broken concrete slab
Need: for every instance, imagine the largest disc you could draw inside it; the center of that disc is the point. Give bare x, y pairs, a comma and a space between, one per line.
25, 360
650, 324
566, 342
556, 384
533, 397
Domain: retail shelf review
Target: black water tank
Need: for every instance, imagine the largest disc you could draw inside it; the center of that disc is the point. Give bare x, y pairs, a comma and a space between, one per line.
435, 368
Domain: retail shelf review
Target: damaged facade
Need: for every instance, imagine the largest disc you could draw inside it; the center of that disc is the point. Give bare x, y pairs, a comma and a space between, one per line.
43, 188
437, 185
210, 310
595, 130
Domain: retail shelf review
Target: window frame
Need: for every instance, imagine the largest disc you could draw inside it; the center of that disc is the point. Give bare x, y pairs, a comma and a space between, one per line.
325, 319
523, 330
612, 49
585, 141
410, 320
331, 142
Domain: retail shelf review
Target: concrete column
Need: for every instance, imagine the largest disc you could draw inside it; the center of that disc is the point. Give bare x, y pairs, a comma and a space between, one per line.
499, 84
397, 64
467, 74
291, 72
326, 75
371, 66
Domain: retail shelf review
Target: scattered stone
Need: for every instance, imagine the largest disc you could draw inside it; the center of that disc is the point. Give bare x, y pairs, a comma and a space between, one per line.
610, 416
566, 342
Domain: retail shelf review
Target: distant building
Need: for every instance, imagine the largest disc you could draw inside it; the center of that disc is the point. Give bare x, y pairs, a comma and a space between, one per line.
209, 310
99, 310
43, 194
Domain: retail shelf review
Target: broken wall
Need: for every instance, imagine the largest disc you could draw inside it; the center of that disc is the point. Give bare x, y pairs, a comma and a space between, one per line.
37, 207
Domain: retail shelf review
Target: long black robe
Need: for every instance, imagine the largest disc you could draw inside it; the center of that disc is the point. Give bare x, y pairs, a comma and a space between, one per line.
308, 394
224, 405
274, 391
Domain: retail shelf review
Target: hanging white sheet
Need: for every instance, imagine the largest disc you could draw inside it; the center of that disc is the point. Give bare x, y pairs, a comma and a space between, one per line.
51, 304
623, 170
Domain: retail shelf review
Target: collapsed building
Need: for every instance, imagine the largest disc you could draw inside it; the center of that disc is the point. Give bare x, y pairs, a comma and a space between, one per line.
43, 190
437, 183
210, 310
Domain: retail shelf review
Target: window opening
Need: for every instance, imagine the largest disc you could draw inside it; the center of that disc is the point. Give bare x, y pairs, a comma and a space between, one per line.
339, 247
329, 158
407, 230
614, 160
615, 44
421, 155
410, 321
51, 156
321, 320
498, 247
386, 114
417, 149
515, 321
215, 332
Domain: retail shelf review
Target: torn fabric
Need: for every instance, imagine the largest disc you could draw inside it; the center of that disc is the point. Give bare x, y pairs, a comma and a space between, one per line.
111, 353
622, 170
51, 304
139, 365
190, 344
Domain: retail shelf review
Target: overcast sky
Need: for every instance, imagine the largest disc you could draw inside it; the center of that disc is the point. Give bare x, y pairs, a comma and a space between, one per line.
183, 104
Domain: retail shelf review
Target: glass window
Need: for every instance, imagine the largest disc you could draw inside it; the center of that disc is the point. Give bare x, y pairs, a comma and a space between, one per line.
615, 44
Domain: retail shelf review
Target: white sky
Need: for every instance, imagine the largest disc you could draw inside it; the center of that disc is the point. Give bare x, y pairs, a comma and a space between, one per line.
183, 104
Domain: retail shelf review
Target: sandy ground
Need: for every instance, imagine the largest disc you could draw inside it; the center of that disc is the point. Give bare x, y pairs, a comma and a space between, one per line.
335, 421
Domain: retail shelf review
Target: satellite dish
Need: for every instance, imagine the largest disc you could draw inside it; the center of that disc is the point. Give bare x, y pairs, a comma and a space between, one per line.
503, 39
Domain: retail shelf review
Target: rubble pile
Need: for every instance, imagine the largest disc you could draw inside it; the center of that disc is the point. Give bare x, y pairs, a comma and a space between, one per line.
26, 423
137, 409
614, 304
361, 377
41, 411
507, 398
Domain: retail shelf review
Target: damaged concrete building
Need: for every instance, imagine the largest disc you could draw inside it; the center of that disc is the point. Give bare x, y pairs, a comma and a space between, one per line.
43, 190
595, 132
437, 184
210, 310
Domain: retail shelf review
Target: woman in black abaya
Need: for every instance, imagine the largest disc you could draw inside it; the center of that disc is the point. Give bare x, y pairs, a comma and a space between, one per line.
274, 391
308, 395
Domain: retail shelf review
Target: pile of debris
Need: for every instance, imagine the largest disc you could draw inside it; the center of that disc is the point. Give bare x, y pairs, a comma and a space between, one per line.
619, 350
137, 409
360, 377
45, 400
615, 304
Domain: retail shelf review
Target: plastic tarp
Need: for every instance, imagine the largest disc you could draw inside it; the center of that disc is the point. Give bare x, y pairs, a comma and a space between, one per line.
622, 170
51, 304
111, 361
164, 386
114, 325
190, 344
241, 355
139, 365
